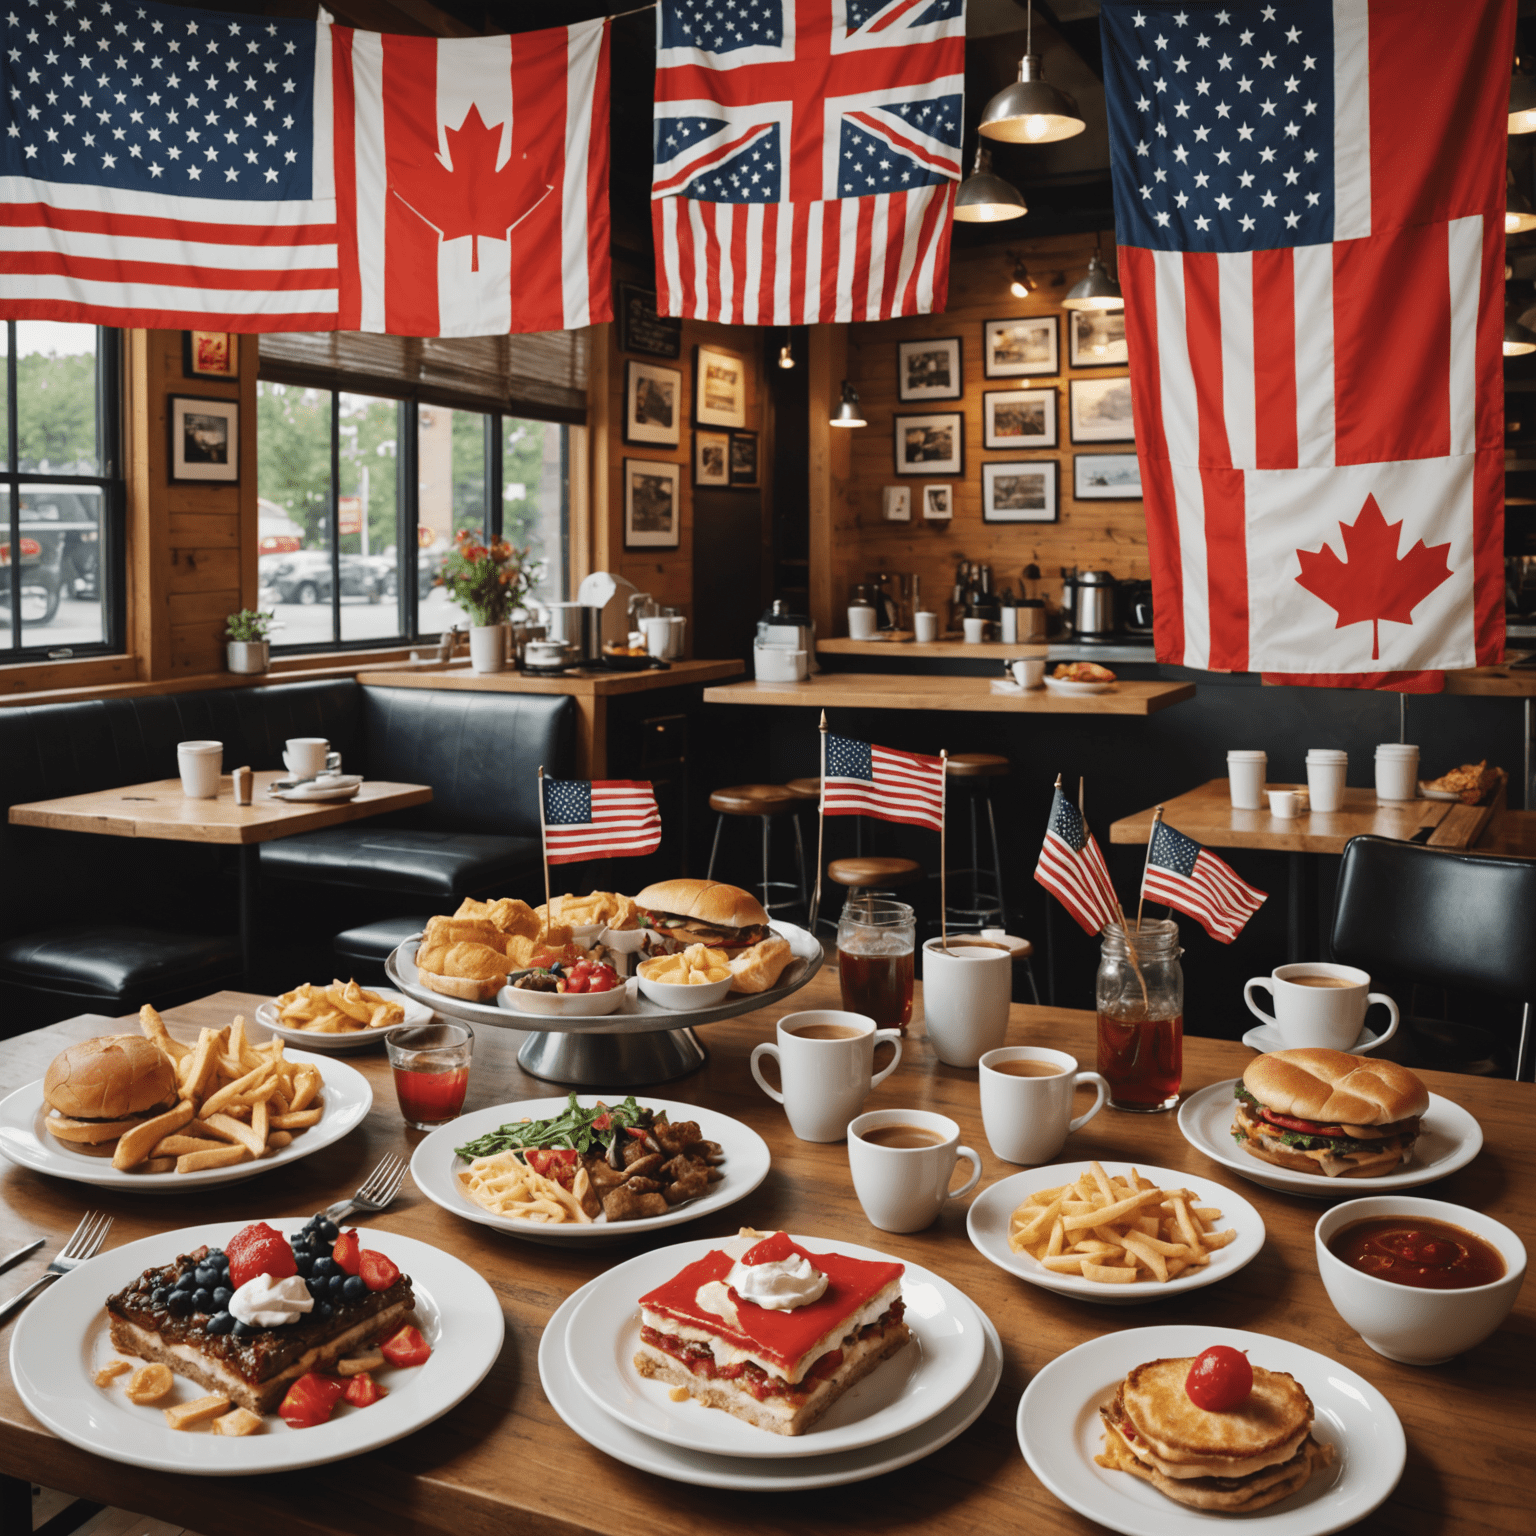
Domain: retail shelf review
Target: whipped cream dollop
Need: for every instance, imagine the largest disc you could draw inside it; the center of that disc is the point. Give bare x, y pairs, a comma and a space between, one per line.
268, 1303
779, 1285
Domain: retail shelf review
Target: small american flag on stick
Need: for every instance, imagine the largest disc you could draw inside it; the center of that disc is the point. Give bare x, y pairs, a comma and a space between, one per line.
599, 819
1072, 869
862, 779
1184, 875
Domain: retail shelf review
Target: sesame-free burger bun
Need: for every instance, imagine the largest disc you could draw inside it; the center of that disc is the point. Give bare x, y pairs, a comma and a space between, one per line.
101, 1087
707, 901
1333, 1087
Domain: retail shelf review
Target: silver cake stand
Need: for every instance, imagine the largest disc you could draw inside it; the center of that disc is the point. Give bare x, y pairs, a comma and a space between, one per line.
644, 1043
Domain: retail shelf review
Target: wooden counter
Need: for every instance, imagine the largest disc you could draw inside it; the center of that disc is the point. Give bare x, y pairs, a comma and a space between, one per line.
591, 691
1494, 682
869, 690
933, 650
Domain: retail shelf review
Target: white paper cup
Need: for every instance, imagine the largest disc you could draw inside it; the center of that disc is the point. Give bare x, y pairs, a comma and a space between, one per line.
1312, 1017
1028, 1118
825, 1082
1245, 779
975, 630
200, 763
1029, 671
1397, 772
1284, 803
925, 627
861, 623
967, 992
1326, 772
903, 1189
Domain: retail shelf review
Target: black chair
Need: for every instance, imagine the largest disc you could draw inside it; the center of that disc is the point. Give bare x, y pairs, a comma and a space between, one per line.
1442, 919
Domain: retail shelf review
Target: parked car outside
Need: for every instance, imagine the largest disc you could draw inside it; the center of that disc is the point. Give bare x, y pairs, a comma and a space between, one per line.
304, 577
60, 550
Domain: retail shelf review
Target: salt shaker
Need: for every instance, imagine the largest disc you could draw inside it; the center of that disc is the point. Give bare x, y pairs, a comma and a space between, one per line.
245, 782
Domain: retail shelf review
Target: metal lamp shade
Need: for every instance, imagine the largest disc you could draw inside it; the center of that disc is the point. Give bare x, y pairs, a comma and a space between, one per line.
1522, 103
984, 197
1518, 213
1518, 340
848, 413
1031, 110
1095, 290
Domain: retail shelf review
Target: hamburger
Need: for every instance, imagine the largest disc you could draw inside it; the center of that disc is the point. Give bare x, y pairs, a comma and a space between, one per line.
684, 912
100, 1089
1327, 1112
1228, 1461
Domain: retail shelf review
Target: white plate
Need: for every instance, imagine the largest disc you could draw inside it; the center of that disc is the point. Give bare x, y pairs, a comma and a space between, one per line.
312, 794
629, 1446
62, 1339
913, 1386
1063, 685
315, 1040
435, 1167
1265, 1037
1060, 1433
987, 1224
1449, 1138
23, 1139
1437, 794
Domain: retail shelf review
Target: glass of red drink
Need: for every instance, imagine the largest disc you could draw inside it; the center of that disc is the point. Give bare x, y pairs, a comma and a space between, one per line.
431, 1067
876, 949
1140, 995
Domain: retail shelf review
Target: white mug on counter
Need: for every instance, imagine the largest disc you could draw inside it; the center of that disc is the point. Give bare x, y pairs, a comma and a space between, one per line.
1284, 803
967, 991
1026, 1101
1320, 1006
902, 1161
861, 622
306, 756
1245, 779
1028, 671
925, 627
200, 764
975, 630
827, 1067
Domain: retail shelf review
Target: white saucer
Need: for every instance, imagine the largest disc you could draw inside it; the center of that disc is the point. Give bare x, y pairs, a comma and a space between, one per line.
352, 1039
341, 786
1266, 1037
629, 1446
1070, 688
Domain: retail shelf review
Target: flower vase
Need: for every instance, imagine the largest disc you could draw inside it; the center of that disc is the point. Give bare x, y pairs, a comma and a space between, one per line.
487, 647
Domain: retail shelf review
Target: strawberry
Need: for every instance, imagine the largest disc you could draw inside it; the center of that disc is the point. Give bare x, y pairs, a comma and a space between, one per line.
406, 1348
363, 1390
259, 1250
310, 1400
378, 1272
345, 1251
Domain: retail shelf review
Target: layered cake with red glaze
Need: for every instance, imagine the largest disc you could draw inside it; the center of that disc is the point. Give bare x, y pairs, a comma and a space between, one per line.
769, 1331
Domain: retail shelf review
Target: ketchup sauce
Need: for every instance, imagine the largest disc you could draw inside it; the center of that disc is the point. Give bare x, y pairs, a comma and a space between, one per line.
431, 1097
1419, 1251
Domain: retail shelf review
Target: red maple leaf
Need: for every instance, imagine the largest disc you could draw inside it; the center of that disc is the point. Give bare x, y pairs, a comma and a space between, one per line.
462, 193
1373, 584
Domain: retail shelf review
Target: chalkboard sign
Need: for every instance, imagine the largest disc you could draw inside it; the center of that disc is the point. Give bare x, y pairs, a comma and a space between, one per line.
645, 330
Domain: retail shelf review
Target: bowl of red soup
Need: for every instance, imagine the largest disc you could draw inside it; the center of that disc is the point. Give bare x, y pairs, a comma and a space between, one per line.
1420, 1281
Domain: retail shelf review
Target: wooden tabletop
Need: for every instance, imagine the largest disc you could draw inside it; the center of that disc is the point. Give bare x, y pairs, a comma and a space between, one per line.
933, 650
879, 690
1206, 814
1495, 682
161, 810
503, 1462
598, 683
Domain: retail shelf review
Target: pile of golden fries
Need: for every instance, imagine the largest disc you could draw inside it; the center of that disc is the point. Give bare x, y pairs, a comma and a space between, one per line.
695, 967
1117, 1231
236, 1102
337, 1009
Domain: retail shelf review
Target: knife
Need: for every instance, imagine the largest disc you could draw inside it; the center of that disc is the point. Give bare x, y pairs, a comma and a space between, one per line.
21, 1253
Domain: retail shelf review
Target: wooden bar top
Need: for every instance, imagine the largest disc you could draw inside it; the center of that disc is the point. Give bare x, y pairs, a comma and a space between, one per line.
599, 684
933, 650
159, 809
880, 690
1494, 682
502, 1461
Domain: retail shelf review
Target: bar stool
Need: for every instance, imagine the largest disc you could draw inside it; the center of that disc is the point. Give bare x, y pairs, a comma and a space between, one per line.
764, 801
973, 772
871, 875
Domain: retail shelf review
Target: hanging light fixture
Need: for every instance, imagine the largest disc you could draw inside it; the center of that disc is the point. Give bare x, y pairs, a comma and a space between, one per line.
1522, 103
1096, 289
1024, 281
984, 197
1518, 339
1031, 111
786, 356
1518, 213
848, 413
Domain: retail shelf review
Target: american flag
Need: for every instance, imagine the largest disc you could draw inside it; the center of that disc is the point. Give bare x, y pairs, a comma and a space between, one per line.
806, 157
862, 779
1072, 869
600, 819
168, 167
1277, 169
1184, 875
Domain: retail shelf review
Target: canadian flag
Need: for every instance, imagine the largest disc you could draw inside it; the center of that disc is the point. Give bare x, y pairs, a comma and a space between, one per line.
472, 181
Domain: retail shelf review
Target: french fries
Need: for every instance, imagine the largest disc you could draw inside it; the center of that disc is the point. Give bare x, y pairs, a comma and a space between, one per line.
1117, 1231
337, 1009
696, 966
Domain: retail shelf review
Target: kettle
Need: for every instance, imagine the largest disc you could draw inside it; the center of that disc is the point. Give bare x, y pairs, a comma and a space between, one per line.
1089, 600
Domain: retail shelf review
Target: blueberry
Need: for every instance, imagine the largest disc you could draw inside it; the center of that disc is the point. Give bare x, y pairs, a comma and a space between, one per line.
205, 1276
324, 1266
221, 1322
302, 1262
354, 1289
202, 1300
180, 1304
221, 1295
325, 1310
329, 1231
186, 1281
242, 1330
316, 1287
160, 1295
336, 1284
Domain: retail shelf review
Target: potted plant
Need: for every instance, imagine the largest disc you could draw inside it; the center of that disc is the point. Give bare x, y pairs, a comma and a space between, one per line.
486, 581
246, 633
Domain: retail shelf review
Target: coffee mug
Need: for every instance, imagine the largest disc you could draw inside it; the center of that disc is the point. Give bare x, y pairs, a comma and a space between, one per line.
827, 1066
200, 763
975, 630
967, 991
902, 1180
307, 756
1028, 1117
1028, 671
1320, 1006
926, 627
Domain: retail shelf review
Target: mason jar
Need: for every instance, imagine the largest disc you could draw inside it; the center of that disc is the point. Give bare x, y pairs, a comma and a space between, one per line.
876, 944
1140, 996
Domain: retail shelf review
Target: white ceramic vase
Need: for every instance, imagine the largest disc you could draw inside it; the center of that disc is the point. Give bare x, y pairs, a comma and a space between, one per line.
487, 647
247, 656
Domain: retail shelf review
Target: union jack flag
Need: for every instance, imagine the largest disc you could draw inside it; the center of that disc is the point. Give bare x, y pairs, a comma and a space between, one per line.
806, 157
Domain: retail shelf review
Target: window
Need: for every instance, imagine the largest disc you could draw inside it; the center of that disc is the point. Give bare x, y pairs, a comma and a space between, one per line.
353, 489
61, 498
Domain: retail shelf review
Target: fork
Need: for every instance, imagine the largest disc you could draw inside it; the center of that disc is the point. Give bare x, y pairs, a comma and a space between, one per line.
84, 1243
378, 1190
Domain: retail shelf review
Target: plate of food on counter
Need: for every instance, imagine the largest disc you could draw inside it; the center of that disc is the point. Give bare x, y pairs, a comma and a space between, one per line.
678, 953
236, 1348
1117, 1235
585, 1168
149, 1112
1080, 677
339, 1016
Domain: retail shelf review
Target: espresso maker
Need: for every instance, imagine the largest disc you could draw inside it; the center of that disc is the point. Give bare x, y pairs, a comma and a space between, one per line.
1088, 600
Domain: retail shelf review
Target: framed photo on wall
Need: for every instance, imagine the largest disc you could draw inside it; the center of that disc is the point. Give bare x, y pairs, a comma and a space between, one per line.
1106, 477
938, 503
205, 439
1019, 418
1014, 348
744, 458
1096, 338
644, 330
897, 503
652, 505
929, 370
1024, 491
1100, 411
210, 354
653, 400
930, 445
711, 458
719, 388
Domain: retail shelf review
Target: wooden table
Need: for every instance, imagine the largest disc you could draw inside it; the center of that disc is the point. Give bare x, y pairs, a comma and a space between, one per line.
503, 1462
880, 690
933, 650
590, 689
161, 810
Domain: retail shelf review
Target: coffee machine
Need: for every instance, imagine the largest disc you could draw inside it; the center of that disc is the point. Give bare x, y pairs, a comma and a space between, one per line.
1088, 600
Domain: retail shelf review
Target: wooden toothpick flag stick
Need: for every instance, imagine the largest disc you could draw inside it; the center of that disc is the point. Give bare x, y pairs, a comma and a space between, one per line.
543, 840
943, 861
821, 823
1157, 816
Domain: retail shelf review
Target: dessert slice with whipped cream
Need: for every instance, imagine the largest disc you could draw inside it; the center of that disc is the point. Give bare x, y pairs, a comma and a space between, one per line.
769, 1331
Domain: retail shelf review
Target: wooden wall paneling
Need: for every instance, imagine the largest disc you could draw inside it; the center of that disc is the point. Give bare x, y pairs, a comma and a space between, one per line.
830, 469
149, 633
245, 492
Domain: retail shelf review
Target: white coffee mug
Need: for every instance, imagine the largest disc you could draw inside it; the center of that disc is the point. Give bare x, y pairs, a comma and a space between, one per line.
307, 756
826, 1080
861, 622
200, 764
1284, 804
967, 992
1028, 1118
925, 627
903, 1189
1320, 1006
975, 630
1029, 671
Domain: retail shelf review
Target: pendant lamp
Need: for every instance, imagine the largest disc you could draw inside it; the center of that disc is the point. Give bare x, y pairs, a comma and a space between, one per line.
786, 356
848, 413
1518, 213
1522, 103
1518, 340
1096, 289
1031, 111
984, 197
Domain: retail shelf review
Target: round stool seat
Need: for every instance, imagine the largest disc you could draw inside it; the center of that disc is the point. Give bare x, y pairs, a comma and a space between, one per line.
806, 789
873, 872
976, 765
753, 800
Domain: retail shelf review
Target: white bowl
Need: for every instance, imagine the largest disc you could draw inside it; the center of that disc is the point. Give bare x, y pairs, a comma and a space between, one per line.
1404, 1323
625, 941
681, 998
565, 1005
586, 934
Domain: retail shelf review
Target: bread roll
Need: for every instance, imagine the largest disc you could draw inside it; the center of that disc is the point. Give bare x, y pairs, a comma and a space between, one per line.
1335, 1088
759, 967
